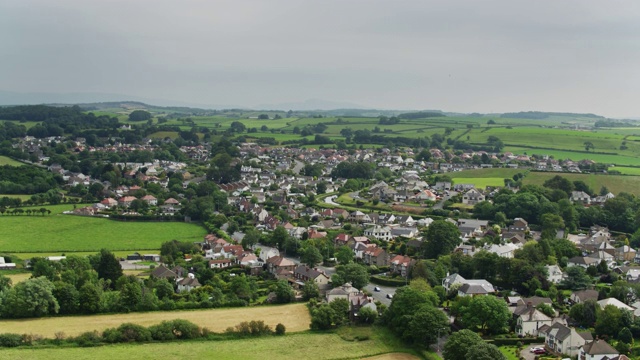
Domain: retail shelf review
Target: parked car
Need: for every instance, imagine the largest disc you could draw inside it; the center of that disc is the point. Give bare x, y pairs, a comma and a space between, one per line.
534, 349
389, 296
540, 351
376, 289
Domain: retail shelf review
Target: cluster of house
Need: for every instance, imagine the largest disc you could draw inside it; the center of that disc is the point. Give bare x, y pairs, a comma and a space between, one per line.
559, 337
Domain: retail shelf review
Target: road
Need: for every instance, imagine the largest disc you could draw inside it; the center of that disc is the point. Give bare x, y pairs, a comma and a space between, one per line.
377, 295
299, 165
329, 200
446, 197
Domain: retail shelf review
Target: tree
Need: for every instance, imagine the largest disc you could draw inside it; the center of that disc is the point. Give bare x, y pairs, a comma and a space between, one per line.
30, 298
608, 321
588, 145
406, 302
442, 238
625, 335
485, 351
344, 255
310, 256
251, 237
367, 315
585, 313
322, 317
107, 266
576, 278
241, 287
139, 115
560, 183
488, 313
67, 296
551, 223
310, 290
459, 343
426, 324
284, 292
89, 298
354, 273
130, 296
164, 289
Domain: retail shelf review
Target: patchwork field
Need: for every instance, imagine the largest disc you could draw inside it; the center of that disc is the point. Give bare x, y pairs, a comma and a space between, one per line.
321, 346
295, 317
67, 233
615, 183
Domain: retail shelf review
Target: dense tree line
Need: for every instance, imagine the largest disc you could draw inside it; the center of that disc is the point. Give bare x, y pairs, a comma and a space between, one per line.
27, 180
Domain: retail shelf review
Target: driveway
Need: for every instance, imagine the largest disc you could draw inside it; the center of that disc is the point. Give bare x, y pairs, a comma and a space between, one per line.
382, 294
526, 354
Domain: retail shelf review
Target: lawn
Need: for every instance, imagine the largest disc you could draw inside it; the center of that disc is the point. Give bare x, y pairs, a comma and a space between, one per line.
118, 253
22, 197
481, 182
295, 317
511, 352
67, 233
626, 170
9, 161
322, 346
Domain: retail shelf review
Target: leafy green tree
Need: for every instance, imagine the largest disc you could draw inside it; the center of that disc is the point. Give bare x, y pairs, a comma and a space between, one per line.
279, 237
310, 290
30, 298
107, 266
551, 223
485, 351
322, 317
585, 313
130, 296
560, 183
353, 273
344, 255
367, 315
488, 313
576, 278
89, 298
406, 302
625, 335
608, 321
164, 289
310, 256
241, 287
442, 238
341, 309
251, 237
5, 283
67, 296
139, 115
426, 324
459, 343
284, 292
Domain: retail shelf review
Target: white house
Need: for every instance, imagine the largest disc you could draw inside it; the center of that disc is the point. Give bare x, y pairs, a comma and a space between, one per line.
598, 350
554, 274
563, 340
530, 320
472, 197
187, 284
379, 232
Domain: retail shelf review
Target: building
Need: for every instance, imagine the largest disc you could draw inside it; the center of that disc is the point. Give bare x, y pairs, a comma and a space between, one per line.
529, 320
472, 197
598, 350
561, 339
379, 232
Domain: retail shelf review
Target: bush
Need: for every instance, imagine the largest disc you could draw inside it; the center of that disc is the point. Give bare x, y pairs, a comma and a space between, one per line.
175, 329
280, 329
133, 333
87, 339
382, 280
10, 340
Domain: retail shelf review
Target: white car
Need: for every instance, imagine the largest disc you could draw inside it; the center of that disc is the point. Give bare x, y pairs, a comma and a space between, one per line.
376, 289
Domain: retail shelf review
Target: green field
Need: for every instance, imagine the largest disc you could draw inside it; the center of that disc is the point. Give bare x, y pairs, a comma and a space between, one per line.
22, 197
320, 346
626, 170
67, 233
9, 161
615, 183
482, 182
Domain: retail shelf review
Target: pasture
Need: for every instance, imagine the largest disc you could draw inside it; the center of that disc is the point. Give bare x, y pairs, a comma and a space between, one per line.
68, 233
294, 316
322, 346
9, 161
615, 183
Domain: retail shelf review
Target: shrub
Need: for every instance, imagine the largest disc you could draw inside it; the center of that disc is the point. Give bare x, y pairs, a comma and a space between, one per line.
87, 339
175, 329
133, 333
10, 340
280, 329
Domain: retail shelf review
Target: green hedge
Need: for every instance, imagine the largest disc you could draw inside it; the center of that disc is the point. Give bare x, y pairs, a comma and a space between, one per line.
383, 280
515, 341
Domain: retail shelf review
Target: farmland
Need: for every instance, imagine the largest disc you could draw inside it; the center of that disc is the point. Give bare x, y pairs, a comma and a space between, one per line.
381, 346
67, 233
295, 317
8, 161
615, 183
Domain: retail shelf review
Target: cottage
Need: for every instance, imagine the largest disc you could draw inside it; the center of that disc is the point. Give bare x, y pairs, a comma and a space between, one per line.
375, 256
304, 273
472, 197
220, 263
599, 350
529, 320
379, 232
187, 284
583, 295
561, 339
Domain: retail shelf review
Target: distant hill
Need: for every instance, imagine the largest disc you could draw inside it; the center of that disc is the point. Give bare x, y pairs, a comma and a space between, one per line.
539, 115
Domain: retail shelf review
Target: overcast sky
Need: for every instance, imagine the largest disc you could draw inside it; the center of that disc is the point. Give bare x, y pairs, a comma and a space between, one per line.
467, 56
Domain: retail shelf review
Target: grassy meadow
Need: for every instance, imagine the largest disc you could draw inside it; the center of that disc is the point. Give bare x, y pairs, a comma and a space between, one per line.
381, 345
9, 161
294, 316
68, 233
484, 177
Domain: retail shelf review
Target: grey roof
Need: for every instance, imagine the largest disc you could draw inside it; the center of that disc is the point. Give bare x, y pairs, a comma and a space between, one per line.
599, 347
476, 288
558, 330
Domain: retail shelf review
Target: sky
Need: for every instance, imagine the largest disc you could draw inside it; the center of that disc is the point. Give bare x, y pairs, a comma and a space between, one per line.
463, 56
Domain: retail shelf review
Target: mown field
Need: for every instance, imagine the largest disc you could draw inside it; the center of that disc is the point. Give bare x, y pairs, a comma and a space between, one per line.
9, 161
295, 317
320, 346
615, 183
67, 233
